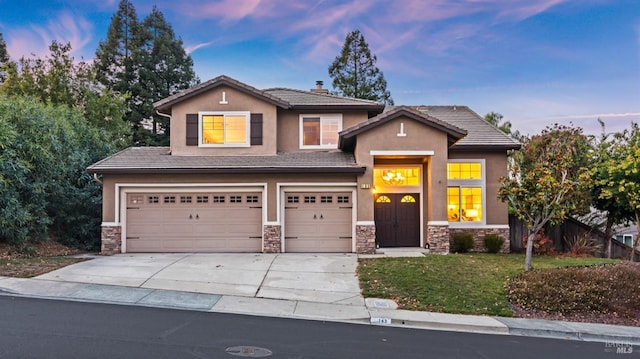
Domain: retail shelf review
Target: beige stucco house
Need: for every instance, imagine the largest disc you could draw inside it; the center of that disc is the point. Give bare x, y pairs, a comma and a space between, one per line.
283, 170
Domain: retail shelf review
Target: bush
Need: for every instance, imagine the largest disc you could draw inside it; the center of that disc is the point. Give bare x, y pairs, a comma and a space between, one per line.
583, 245
493, 242
598, 289
542, 244
462, 242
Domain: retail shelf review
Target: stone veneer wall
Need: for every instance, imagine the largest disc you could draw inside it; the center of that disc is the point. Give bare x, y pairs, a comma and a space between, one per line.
438, 239
272, 239
365, 239
111, 241
478, 237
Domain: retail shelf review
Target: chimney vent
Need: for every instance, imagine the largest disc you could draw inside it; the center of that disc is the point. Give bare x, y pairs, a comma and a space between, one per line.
319, 88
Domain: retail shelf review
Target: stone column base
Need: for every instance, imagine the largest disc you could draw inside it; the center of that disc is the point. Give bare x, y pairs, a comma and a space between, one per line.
365, 239
478, 237
111, 240
272, 239
438, 239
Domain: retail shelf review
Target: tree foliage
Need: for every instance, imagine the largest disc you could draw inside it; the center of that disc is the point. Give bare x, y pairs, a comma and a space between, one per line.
44, 187
58, 79
147, 62
617, 176
549, 180
4, 58
355, 74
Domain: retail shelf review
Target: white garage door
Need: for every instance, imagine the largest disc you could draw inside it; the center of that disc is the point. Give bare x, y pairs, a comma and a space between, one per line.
318, 222
194, 222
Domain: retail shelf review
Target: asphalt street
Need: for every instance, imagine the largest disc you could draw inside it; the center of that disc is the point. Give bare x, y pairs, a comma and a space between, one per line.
43, 328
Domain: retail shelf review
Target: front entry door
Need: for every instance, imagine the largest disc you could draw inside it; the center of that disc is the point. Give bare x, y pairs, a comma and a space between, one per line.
397, 218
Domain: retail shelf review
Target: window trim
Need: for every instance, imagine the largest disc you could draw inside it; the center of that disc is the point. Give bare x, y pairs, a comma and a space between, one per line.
247, 117
461, 183
322, 116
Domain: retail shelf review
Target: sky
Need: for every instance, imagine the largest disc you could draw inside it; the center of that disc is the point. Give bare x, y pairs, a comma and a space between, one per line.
536, 62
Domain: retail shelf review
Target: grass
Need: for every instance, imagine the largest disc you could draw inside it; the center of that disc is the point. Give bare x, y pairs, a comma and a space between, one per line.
456, 283
34, 266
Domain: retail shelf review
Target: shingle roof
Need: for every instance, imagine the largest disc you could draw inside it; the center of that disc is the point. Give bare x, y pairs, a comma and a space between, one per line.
166, 103
347, 137
480, 133
159, 160
304, 99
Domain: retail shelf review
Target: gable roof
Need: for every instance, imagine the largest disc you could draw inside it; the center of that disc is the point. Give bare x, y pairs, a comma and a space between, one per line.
159, 160
299, 99
166, 103
481, 135
348, 136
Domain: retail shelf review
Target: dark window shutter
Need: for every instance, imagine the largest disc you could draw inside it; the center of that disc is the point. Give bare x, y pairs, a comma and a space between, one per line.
192, 129
256, 129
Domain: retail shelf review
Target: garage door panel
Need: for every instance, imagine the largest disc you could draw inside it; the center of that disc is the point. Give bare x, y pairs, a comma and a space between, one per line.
318, 222
194, 222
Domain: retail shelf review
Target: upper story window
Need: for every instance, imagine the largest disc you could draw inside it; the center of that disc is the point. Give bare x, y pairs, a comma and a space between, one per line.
320, 131
224, 129
466, 191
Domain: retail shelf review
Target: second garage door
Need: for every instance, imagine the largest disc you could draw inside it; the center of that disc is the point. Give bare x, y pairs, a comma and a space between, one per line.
194, 222
318, 222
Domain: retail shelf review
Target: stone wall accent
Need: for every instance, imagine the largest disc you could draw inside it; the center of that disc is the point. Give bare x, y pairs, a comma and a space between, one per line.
111, 240
272, 239
438, 239
365, 239
478, 237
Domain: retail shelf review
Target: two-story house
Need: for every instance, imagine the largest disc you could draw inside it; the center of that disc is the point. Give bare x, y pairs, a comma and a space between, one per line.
282, 170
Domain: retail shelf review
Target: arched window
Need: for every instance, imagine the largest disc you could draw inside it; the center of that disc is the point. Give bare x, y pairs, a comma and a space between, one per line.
383, 199
408, 199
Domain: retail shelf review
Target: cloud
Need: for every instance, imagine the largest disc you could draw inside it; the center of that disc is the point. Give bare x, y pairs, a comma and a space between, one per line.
191, 48
35, 39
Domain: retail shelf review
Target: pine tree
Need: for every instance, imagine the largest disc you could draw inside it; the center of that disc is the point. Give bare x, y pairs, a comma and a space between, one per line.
144, 60
355, 74
169, 68
4, 59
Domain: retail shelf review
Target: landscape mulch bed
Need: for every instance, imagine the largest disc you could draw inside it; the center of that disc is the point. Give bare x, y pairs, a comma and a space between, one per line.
35, 258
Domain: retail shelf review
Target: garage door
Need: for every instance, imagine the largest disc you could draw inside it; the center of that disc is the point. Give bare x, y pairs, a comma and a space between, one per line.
318, 222
194, 222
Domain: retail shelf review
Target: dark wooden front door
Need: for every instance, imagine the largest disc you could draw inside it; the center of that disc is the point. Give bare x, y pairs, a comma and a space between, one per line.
397, 217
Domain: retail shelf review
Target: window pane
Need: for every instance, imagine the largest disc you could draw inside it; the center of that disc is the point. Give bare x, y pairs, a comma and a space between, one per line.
311, 131
471, 198
236, 129
453, 204
212, 129
330, 131
464, 170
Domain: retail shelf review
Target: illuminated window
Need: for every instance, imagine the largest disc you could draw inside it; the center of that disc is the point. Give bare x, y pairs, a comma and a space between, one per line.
408, 199
396, 176
320, 131
383, 199
465, 191
224, 129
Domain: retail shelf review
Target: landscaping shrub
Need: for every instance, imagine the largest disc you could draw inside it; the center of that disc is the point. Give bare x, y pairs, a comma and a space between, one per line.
542, 244
583, 245
462, 242
613, 289
493, 242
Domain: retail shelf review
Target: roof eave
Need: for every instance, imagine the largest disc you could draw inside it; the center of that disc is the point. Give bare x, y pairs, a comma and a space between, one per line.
339, 107
497, 147
228, 170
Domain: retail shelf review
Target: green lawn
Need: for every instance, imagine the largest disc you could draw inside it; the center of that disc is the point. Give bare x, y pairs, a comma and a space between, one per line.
455, 283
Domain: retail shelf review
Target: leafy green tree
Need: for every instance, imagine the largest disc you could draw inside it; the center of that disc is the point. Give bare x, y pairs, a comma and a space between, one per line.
550, 180
169, 70
355, 74
618, 177
44, 188
58, 79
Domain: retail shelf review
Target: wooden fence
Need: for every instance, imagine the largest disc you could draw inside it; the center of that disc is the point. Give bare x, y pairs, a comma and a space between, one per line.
570, 228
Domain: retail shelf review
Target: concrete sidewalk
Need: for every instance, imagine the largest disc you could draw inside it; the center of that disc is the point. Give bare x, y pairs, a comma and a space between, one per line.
318, 287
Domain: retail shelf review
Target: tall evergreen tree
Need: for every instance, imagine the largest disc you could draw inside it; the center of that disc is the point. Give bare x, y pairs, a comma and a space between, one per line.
169, 69
355, 74
4, 59
146, 61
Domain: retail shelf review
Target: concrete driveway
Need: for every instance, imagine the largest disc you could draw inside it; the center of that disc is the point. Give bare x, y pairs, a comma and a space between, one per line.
324, 278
